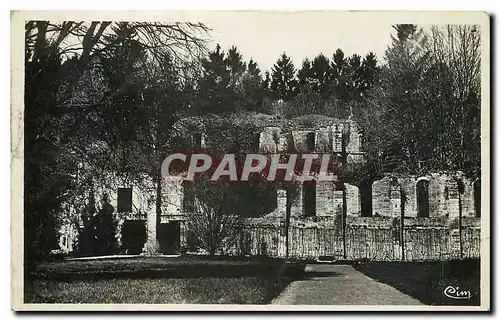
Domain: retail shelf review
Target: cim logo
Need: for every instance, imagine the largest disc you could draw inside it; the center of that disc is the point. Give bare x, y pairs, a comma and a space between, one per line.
454, 292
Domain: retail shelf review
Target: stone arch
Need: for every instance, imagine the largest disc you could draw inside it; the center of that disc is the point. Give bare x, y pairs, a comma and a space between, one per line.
309, 198
394, 194
311, 141
198, 140
423, 197
366, 198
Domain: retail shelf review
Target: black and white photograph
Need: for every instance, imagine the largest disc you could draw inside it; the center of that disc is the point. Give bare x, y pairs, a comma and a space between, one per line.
250, 160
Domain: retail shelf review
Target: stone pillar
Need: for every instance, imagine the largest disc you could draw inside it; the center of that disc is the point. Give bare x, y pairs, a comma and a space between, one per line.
151, 246
281, 203
297, 206
353, 206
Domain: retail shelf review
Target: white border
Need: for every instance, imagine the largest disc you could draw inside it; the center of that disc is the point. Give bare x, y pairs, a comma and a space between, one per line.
310, 5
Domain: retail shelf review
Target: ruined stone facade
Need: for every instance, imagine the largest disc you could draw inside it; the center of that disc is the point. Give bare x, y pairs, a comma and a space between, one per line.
429, 205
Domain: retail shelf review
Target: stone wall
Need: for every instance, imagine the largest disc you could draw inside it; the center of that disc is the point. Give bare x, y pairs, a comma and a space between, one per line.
443, 195
327, 139
366, 238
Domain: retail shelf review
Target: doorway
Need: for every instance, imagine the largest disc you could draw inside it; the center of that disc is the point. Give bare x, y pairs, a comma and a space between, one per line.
169, 237
133, 236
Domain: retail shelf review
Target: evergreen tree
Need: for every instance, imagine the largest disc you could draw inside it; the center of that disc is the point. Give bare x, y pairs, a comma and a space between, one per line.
339, 76
354, 77
321, 72
370, 71
266, 82
283, 84
105, 228
404, 31
252, 91
215, 92
305, 75
235, 63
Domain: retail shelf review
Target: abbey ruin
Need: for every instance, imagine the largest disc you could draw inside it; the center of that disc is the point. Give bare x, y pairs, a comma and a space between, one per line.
398, 216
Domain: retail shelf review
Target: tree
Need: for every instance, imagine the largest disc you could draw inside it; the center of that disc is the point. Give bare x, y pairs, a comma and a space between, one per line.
305, 75
97, 236
354, 77
215, 85
253, 92
283, 84
321, 71
402, 84
45, 178
86, 244
307, 101
105, 228
229, 84
59, 60
414, 115
339, 75
454, 97
370, 71
235, 63
404, 31
266, 82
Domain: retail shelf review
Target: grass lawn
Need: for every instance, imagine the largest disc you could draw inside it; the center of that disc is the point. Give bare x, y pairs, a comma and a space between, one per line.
426, 281
157, 280
202, 290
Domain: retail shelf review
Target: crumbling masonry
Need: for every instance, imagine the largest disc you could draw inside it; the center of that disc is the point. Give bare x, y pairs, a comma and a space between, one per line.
398, 217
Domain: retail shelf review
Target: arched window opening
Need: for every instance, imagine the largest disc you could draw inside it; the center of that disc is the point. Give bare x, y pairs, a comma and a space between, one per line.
394, 189
309, 198
395, 197
423, 198
365, 194
256, 141
197, 140
310, 141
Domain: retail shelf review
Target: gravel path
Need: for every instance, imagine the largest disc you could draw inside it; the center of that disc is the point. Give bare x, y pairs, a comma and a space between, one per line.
340, 285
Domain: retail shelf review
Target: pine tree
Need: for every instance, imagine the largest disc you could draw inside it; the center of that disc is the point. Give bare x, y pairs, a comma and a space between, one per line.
370, 71
354, 77
403, 83
283, 84
305, 75
235, 63
215, 92
339, 76
321, 71
252, 92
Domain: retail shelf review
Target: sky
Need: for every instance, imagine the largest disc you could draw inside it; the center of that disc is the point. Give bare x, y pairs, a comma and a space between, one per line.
264, 37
